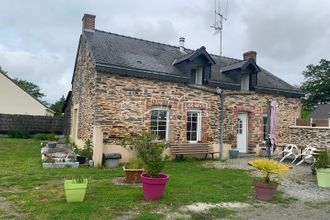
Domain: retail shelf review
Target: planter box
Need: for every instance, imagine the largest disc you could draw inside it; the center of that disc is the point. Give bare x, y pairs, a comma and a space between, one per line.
60, 165
133, 176
323, 177
75, 192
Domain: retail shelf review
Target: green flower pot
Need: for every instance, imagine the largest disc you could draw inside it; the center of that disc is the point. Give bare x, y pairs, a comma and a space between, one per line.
323, 177
75, 192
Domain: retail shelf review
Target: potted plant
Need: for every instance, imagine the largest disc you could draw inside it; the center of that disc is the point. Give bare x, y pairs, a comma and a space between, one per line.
133, 170
233, 152
322, 166
85, 153
265, 190
75, 189
150, 150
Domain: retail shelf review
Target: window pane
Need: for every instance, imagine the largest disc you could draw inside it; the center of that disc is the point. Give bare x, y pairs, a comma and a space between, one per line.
194, 126
162, 115
154, 114
193, 136
162, 134
188, 136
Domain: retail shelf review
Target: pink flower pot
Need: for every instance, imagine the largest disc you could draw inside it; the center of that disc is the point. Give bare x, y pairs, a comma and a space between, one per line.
265, 191
153, 188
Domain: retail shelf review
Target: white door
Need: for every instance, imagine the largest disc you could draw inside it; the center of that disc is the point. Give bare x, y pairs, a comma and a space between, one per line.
242, 132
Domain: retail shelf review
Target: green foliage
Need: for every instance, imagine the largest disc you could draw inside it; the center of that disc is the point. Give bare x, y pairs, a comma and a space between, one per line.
316, 84
134, 163
45, 136
79, 180
19, 133
150, 151
322, 161
30, 87
304, 113
58, 105
87, 150
25, 183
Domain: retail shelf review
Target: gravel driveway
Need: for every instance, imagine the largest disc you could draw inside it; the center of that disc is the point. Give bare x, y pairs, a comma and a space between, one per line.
313, 202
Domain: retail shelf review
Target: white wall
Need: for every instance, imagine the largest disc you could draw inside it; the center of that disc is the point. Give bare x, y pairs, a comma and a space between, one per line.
14, 100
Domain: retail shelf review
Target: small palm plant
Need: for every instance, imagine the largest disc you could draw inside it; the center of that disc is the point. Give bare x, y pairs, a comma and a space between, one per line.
269, 167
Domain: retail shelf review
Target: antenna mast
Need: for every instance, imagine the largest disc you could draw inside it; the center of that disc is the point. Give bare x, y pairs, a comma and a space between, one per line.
218, 20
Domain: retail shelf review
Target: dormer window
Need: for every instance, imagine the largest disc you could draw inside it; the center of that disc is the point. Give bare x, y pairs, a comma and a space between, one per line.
197, 75
245, 82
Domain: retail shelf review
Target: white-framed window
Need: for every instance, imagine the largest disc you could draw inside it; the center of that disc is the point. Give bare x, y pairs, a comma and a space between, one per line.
159, 122
239, 126
245, 82
194, 125
197, 75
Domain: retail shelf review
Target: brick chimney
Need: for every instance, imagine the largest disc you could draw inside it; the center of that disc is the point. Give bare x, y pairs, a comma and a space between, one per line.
88, 23
250, 55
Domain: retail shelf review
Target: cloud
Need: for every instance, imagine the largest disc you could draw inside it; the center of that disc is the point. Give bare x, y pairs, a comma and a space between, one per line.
39, 38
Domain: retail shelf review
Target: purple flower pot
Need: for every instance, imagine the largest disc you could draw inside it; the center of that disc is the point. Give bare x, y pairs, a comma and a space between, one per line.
153, 188
265, 191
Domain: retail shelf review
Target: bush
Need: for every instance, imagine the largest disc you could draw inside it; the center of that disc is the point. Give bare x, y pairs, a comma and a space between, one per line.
44, 136
87, 150
19, 133
323, 161
135, 163
150, 151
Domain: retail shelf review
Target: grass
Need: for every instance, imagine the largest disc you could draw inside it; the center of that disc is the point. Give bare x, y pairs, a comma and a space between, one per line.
39, 194
214, 213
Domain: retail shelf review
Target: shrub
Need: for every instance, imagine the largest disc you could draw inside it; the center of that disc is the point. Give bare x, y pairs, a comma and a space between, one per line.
150, 151
323, 161
44, 136
87, 150
135, 163
19, 133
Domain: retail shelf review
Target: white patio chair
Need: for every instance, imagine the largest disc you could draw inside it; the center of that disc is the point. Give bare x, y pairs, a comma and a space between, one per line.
289, 150
307, 154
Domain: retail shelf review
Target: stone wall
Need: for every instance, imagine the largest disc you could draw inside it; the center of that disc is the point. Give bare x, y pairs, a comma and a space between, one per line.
123, 105
256, 107
83, 92
32, 123
303, 135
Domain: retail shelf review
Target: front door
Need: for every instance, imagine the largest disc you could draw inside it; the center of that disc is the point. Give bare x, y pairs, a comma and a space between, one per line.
242, 132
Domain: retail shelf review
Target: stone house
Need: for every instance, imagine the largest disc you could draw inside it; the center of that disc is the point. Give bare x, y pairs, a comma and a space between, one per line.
123, 84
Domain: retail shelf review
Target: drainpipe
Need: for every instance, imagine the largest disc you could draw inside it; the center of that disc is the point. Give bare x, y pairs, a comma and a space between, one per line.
222, 99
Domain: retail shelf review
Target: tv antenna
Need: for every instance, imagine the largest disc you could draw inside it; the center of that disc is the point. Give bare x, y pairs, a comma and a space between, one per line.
219, 18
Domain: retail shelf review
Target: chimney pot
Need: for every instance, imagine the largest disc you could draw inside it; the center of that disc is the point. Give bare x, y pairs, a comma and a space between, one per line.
181, 39
250, 55
88, 23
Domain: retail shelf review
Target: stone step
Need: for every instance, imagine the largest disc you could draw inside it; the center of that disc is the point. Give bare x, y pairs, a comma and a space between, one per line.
246, 155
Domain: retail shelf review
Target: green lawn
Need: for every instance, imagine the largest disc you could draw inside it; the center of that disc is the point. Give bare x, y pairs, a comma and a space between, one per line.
39, 193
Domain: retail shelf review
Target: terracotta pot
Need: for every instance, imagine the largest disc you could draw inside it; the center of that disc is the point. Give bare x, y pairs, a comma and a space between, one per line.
153, 188
133, 175
265, 191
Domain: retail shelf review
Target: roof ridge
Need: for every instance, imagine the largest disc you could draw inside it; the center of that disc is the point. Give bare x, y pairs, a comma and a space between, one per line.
155, 42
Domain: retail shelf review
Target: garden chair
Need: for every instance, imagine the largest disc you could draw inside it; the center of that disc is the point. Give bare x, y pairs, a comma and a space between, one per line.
307, 154
289, 150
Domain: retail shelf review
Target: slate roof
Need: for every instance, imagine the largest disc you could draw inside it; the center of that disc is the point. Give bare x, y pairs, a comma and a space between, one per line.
321, 112
150, 58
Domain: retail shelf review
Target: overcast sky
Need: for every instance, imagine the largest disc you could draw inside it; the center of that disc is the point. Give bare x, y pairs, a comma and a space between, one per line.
39, 39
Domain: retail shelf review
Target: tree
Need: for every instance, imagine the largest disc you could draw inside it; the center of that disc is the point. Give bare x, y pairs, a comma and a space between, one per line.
316, 84
30, 87
3, 71
58, 105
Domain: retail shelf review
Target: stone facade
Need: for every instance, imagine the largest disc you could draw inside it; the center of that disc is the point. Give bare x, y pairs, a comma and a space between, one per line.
303, 135
123, 105
83, 93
